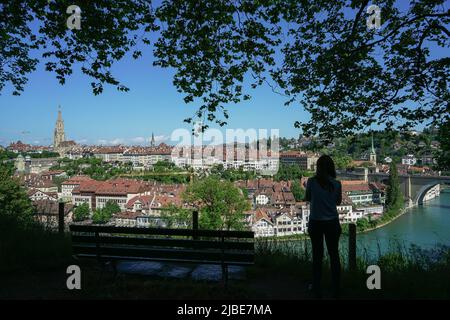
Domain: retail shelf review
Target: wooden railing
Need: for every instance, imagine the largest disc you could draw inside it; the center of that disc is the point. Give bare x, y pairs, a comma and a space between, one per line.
351, 234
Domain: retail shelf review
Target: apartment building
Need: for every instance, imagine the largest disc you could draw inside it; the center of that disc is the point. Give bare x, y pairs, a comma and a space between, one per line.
358, 191
97, 193
306, 161
69, 185
261, 224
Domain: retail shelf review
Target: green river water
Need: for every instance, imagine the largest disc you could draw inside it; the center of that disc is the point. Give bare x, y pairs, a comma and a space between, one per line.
426, 226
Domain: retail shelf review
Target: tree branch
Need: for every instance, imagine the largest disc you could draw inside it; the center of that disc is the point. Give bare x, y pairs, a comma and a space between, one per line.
357, 17
447, 14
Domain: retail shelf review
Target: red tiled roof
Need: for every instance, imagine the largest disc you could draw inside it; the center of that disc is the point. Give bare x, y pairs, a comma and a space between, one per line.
356, 187
145, 200
288, 197
118, 187
50, 194
77, 180
127, 215
155, 201
261, 214
377, 185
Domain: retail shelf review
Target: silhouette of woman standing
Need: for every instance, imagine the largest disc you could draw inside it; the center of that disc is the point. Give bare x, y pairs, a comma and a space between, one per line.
323, 192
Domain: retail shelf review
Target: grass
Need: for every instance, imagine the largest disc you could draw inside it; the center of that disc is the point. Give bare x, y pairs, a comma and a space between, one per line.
35, 260
25, 247
406, 272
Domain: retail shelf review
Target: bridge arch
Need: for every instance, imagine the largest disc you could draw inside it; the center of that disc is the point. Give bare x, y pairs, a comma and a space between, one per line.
420, 195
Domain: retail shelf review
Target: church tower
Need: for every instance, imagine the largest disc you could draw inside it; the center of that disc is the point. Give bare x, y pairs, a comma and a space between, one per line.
59, 135
373, 154
152, 142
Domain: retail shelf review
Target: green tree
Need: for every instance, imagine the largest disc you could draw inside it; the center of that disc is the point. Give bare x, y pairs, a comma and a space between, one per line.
81, 212
14, 201
111, 208
290, 172
175, 216
298, 191
342, 161
103, 215
443, 159
363, 224
394, 196
221, 204
43, 154
245, 192
98, 217
7, 155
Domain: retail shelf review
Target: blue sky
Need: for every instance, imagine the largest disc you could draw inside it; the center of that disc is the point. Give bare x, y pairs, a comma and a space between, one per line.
151, 105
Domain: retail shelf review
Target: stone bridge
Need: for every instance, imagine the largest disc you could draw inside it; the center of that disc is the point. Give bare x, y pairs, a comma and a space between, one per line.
414, 187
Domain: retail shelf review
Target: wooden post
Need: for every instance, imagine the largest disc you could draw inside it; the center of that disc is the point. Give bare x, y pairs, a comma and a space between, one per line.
61, 218
224, 265
352, 246
195, 223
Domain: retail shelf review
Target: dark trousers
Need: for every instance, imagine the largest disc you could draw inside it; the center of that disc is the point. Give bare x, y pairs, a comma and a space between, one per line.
331, 231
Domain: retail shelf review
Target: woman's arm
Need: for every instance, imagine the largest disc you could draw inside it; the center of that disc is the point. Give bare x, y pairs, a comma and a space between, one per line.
339, 195
308, 190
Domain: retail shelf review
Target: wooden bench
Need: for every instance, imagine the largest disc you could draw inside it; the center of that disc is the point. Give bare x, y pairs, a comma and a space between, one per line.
110, 244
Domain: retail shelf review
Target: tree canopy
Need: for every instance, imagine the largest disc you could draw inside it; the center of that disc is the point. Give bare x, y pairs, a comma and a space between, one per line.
394, 196
14, 202
444, 139
220, 203
104, 215
319, 54
81, 212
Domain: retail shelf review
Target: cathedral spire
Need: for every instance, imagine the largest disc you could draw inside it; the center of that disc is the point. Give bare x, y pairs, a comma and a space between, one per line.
152, 142
373, 148
59, 135
373, 154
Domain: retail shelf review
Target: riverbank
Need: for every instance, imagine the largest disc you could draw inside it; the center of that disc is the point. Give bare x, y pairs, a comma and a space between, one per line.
423, 225
305, 236
401, 213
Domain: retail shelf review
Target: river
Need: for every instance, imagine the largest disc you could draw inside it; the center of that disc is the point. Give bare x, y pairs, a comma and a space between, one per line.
424, 226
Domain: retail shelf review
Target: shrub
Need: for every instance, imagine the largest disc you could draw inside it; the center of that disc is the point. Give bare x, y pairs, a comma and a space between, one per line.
100, 216
30, 246
81, 212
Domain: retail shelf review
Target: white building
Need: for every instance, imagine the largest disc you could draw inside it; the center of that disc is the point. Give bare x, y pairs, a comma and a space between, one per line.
409, 160
262, 198
370, 209
98, 193
69, 185
126, 219
359, 192
262, 225
37, 195
289, 223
